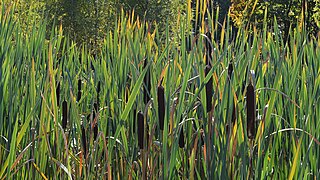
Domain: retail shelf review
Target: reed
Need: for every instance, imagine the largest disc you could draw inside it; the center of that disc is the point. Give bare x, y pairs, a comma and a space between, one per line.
161, 106
251, 111
58, 93
84, 141
141, 129
209, 89
64, 114
79, 90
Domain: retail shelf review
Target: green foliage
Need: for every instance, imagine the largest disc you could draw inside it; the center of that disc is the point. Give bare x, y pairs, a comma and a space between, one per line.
285, 12
100, 137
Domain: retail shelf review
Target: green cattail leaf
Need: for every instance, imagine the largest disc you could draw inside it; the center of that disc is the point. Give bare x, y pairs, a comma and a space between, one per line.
133, 95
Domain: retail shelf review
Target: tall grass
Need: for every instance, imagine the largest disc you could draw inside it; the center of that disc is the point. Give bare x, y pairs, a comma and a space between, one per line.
39, 138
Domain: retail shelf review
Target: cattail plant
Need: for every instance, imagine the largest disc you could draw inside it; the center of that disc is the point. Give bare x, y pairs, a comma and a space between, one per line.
79, 90
147, 84
140, 129
161, 106
251, 109
181, 138
84, 141
98, 92
230, 70
209, 89
208, 46
58, 93
95, 121
64, 114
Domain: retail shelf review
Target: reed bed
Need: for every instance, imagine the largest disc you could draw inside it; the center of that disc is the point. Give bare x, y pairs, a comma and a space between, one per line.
180, 130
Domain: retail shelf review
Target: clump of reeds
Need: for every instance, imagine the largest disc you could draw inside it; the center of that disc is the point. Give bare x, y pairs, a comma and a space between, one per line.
140, 129
79, 90
161, 106
209, 89
251, 110
64, 114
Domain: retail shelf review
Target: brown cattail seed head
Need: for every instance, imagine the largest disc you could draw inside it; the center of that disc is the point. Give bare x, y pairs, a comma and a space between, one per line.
58, 93
181, 138
64, 114
140, 129
208, 41
79, 90
209, 89
95, 121
147, 84
161, 106
84, 141
230, 70
251, 109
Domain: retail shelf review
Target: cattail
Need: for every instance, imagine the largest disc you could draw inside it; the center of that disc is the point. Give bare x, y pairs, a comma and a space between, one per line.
234, 111
92, 66
58, 93
64, 114
209, 89
84, 141
208, 45
161, 106
98, 91
79, 90
230, 70
98, 87
251, 109
181, 138
147, 84
95, 121
140, 129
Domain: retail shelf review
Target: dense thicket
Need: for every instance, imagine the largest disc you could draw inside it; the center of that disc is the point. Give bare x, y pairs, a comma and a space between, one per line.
89, 20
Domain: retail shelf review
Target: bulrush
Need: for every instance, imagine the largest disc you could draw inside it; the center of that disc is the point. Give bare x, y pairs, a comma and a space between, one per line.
64, 114
181, 138
147, 84
140, 129
58, 93
230, 70
161, 106
209, 89
95, 121
84, 141
79, 90
251, 109
208, 41
98, 92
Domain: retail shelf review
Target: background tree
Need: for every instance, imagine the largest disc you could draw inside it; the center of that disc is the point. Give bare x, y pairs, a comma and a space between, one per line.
286, 12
